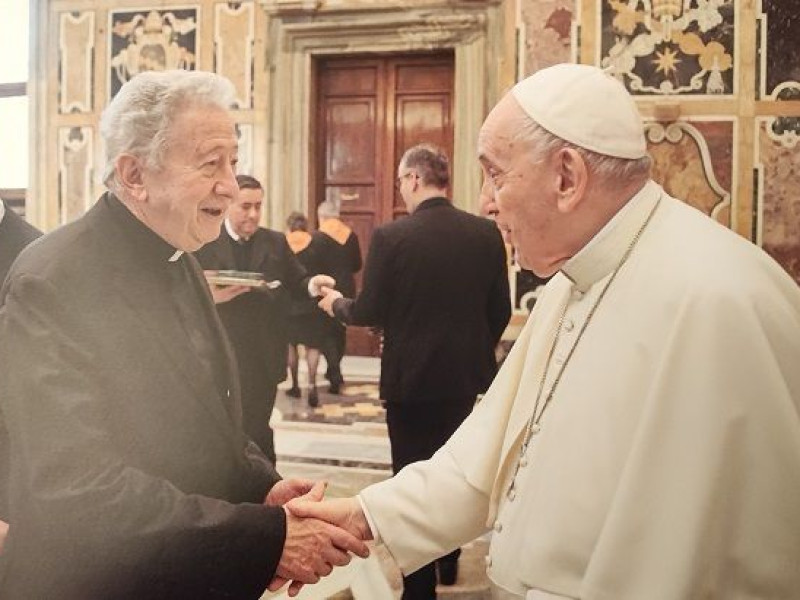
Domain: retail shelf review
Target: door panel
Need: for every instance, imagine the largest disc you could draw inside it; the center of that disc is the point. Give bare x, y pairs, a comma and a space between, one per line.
369, 111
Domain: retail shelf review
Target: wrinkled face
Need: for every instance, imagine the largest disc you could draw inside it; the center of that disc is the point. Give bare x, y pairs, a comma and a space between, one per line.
245, 212
518, 189
185, 198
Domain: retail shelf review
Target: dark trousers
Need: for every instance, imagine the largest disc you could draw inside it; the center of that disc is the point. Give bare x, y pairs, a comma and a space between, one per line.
333, 350
257, 404
416, 432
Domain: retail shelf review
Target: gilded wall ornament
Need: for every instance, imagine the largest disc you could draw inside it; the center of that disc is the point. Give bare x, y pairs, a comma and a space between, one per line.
152, 40
664, 47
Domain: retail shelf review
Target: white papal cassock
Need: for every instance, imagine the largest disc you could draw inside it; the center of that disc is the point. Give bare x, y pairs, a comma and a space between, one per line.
668, 462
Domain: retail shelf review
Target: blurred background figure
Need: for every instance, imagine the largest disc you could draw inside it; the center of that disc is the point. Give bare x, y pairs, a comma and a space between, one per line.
255, 320
344, 259
307, 324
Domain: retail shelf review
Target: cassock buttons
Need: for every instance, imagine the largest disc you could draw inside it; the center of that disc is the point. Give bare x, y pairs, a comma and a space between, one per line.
577, 295
569, 325
512, 493
498, 526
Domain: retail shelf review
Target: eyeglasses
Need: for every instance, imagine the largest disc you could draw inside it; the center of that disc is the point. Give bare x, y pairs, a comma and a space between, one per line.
399, 180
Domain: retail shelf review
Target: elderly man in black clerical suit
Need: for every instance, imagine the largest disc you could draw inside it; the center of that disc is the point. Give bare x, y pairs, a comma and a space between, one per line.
15, 234
437, 283
255, 319
131, 476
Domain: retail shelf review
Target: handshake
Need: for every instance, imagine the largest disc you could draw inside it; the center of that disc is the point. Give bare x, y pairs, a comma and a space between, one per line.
320, 535
322, 286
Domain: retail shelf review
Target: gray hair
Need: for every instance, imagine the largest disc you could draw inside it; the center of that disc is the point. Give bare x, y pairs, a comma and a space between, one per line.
328, 210
138, 119
431, 164
606, 168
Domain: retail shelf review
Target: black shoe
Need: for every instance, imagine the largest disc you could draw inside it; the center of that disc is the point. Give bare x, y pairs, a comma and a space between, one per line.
313, 398
334, 388
294, 392
447, 571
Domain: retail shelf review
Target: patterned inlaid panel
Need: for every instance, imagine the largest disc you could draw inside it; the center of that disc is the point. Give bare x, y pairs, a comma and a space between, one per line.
150, 40
661, 47
75, 169
779, 49
693, 161
778, 190
233, 47
548, 37
76, 59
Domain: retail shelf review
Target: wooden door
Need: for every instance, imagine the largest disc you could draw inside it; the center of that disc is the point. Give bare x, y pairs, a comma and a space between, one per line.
369, 110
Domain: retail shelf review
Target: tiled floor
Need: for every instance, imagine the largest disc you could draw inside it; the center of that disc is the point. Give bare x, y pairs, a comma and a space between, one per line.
344, 441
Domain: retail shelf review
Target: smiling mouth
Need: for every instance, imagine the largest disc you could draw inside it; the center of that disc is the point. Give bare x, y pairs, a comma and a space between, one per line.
214, 212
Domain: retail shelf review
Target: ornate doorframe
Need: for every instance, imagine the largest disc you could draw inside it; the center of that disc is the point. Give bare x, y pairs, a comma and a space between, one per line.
298, 32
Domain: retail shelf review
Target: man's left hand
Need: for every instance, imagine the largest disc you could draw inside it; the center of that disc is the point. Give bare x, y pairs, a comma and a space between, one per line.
289, 489
3, 534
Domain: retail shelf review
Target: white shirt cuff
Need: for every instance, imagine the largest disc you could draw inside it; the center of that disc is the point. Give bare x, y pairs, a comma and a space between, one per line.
376, 535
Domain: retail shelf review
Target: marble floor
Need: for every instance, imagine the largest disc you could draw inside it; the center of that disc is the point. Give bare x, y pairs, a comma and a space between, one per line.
344, 442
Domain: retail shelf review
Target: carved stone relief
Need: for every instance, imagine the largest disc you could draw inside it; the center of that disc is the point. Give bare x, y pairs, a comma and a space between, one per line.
233, 48
693, 161
659, 47
76, 59
150, 40
548, 35
778, 198
75, 169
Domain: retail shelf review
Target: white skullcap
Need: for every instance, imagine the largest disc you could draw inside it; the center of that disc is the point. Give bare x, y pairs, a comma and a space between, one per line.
583, 105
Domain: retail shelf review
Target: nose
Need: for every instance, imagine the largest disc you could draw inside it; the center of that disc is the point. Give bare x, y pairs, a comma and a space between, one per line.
226, 185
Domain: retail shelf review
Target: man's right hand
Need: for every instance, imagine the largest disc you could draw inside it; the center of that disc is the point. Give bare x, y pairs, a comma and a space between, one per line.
311, 550
3, 534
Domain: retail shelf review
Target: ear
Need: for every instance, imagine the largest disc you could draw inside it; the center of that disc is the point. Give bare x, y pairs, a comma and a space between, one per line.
573, 177
130, 176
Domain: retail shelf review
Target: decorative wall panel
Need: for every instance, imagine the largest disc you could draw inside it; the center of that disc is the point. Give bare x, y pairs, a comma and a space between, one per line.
244, 133
233, 48
659, 47
693, 161
778, 40
778, 170
150, 40
547, 34
75, 170
76, 60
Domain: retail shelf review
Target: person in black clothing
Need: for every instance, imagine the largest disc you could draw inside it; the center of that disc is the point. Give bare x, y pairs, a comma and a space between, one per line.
131, 476
344, 262
308, 325
437, 283
255, 319
15, 234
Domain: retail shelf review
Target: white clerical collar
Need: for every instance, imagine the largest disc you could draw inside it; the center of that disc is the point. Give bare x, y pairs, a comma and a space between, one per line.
2, 210
176, 256
230, 230
604, 251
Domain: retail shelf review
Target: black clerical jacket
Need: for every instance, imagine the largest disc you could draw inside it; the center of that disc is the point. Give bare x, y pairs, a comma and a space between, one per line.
130, 474
437, 283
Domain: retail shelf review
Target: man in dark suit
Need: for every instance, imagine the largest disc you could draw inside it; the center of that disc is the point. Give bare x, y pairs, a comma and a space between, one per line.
131, 476
15, 234
437, 283
255, 319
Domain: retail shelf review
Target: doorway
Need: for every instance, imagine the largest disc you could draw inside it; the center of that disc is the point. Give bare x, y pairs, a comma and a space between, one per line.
368, 111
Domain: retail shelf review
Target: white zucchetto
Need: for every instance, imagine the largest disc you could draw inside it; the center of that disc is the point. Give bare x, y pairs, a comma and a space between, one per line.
585, 106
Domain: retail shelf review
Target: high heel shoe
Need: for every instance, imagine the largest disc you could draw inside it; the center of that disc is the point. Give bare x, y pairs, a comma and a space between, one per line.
294, 392
313, 398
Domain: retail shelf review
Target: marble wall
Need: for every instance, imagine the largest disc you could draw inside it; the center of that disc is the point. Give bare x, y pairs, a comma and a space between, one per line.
716, 80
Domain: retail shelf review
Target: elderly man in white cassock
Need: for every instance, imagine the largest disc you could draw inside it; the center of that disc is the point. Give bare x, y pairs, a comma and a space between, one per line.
642, 440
